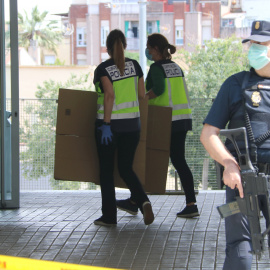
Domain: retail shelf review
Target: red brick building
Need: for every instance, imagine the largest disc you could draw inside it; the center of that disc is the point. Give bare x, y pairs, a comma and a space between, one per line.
183, 22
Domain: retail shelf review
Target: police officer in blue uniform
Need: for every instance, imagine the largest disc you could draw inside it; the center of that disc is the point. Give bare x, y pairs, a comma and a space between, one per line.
228, 108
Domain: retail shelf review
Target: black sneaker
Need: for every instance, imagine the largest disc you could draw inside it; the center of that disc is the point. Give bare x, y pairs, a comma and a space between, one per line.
128, 206
189, 212
102, 221
148, 215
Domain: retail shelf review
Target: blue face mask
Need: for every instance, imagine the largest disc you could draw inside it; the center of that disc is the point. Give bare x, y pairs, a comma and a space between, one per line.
257, 56
148, 55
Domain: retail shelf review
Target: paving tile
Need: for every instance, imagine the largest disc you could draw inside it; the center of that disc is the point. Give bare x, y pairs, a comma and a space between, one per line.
58, 225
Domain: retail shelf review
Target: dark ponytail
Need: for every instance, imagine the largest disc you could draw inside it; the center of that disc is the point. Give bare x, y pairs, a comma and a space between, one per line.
172, 48
118, 55
116, 44
160, 42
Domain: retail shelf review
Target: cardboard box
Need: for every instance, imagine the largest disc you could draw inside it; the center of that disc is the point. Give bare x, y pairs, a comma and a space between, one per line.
157, 148
75, 149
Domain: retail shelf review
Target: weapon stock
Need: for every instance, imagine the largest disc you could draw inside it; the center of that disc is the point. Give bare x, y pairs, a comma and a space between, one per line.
254, 185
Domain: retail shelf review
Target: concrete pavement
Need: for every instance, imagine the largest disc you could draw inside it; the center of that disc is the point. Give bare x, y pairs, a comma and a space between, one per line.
58, 226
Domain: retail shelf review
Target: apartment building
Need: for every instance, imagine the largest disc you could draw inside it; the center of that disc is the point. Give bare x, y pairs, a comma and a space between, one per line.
237, 16
184, 23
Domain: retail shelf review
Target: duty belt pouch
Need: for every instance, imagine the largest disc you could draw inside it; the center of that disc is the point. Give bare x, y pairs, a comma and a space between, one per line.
256, 100
219, 174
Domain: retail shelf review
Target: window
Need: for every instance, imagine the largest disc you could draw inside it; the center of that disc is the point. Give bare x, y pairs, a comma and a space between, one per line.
81, 37
81, 59
149, 27
179, 37
81, 62
49, 59
206, 30
132, 29
206, 33
104, 33
152, 27
227, 22
132, 35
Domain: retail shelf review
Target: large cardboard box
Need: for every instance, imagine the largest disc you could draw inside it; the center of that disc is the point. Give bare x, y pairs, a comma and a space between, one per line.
157, 148
75, 149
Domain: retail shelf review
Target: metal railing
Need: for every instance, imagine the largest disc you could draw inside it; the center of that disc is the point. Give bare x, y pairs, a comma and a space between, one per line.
37, 142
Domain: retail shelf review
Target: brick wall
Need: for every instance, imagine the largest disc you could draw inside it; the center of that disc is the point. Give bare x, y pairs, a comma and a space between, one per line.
215, 10
104, 15
179, 9
76, 12
79, 12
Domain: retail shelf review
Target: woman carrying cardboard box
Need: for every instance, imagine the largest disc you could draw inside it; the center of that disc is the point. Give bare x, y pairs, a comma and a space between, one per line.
119, 83
166, 86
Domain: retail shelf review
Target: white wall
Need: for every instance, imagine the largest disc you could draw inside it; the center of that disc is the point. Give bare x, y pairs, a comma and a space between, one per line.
32, 76
256, 10
79, 2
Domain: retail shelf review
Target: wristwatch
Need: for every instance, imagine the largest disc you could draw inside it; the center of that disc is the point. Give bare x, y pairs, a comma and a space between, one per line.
106, 123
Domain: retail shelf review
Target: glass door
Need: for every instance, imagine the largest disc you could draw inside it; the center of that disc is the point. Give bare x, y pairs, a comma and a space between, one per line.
9, 110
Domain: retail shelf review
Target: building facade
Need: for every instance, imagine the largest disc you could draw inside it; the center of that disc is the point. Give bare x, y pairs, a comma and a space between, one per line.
237, 16
184, 23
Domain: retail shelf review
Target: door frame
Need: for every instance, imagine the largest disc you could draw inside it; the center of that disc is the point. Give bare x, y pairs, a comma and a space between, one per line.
13, 162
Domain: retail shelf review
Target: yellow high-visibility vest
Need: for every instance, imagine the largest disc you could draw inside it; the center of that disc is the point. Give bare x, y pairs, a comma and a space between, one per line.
175, 94
125, 89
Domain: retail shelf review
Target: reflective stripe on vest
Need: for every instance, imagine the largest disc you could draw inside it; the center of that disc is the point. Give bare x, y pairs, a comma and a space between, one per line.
123, 107
120, 116
180, 111
177, 100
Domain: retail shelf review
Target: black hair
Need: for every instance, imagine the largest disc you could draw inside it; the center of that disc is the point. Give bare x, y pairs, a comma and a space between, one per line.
160, 42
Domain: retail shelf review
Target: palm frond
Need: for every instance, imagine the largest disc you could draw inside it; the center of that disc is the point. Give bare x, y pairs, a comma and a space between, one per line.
35, 27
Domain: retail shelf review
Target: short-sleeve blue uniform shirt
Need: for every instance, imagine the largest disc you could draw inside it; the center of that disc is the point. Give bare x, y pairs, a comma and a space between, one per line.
228, 101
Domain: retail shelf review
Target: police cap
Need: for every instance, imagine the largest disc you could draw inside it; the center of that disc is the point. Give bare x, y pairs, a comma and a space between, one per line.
260, 32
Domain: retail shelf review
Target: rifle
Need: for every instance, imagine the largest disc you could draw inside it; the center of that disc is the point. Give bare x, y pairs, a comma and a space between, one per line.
254, 184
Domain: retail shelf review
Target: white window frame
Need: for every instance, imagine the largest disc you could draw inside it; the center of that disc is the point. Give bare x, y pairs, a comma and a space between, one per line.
224, 2
206, 33
151, 25
179, 35
103, 35
81, 62
49, 59
207, 30
227, 23
81, 37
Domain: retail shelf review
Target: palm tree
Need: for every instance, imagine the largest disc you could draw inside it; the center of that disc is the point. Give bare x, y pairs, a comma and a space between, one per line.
36, 31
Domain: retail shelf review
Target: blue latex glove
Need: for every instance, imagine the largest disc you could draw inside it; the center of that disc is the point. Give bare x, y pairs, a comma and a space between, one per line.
106, 134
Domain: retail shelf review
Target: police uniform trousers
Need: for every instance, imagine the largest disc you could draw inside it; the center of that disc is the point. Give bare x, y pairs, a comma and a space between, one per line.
238, 239
126, 144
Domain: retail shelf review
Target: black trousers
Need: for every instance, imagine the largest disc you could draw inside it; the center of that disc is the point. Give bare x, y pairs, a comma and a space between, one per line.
126, 145
177, 155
